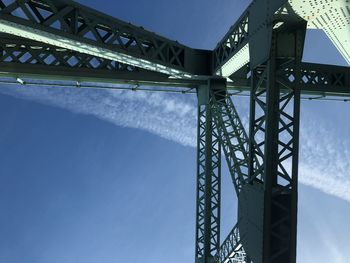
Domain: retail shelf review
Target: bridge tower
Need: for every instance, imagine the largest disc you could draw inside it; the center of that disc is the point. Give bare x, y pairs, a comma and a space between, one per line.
260, 56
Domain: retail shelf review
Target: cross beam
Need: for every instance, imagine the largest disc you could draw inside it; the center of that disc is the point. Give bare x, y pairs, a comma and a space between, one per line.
66, 24
25, 58
316, 79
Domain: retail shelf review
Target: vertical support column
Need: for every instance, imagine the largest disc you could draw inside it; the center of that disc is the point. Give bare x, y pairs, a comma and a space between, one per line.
274, 141
208, 181
2, 53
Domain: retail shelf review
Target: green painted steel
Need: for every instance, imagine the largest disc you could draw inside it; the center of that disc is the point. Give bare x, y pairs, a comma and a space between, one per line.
66, 24
259, 57
274, 134
22, 58
208, 181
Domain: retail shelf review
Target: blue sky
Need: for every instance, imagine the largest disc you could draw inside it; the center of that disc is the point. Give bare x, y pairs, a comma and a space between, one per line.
96, 176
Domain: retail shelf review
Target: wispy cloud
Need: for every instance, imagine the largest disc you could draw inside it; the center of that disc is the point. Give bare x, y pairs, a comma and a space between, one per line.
324, 158
170, 116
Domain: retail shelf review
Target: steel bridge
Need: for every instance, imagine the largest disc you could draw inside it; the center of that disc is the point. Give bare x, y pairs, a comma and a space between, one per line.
261, 55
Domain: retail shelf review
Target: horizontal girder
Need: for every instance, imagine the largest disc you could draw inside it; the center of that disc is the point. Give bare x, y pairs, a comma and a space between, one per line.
49, 16
65, 24
31, 59
325, 80
22, 58
317, 79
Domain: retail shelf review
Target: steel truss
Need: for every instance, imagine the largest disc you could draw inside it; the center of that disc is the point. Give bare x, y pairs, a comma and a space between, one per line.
232, 136
235, 143
234, 41
274, 133
208, 181
14, 50
66, 24
32, 58
23, 58
317, 79
260, 55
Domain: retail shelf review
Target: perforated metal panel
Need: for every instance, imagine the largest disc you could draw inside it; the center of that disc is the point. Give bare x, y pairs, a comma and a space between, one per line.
333, 16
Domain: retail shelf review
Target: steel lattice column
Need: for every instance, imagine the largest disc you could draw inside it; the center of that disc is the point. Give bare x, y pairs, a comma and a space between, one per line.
208, 181
274, 133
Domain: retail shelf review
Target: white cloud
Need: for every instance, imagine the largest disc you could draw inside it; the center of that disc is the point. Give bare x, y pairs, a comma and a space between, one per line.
324, 159
167, 115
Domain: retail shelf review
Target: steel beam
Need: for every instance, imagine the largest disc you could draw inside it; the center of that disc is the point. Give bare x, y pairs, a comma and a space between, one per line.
232, 52
65, 24
274, 134
317, 79
20, 57
23, 58
248, 40
208, 181
233, 137
235, 143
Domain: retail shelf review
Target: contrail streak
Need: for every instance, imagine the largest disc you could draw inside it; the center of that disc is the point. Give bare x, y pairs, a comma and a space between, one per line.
324, 164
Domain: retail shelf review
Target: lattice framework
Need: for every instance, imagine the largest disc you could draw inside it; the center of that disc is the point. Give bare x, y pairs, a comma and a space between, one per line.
62, 38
